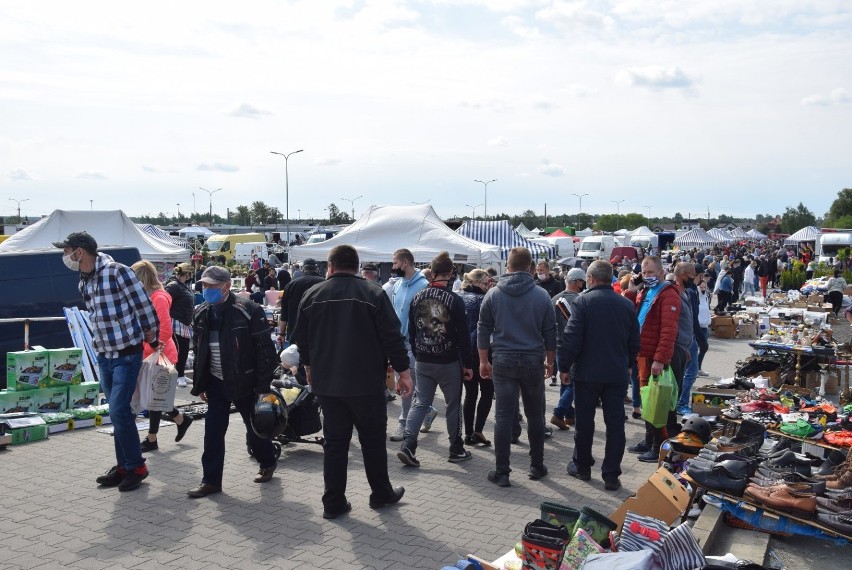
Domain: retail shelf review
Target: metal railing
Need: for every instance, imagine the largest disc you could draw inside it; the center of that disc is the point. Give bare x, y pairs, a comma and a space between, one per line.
27, 322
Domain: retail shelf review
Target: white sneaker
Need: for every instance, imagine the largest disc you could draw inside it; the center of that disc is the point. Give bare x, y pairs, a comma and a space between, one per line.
427, 421
182, 382
399, 434
702, 373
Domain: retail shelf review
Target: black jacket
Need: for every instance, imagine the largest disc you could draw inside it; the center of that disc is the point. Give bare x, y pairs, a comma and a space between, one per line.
291, 298
347, 331
183, 301
245, 345
601, 339
437, 327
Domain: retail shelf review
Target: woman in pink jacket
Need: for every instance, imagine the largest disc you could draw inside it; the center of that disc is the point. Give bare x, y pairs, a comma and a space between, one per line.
162, 301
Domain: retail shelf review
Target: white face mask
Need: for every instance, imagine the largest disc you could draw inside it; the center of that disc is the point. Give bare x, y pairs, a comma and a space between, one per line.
70, 263
542, 276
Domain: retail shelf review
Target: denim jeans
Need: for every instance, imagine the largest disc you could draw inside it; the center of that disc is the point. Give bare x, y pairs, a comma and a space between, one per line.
406, 402
689, 375
611, 395
369, 415
430, 376
565, 407
216, 426
118, 378
515, 373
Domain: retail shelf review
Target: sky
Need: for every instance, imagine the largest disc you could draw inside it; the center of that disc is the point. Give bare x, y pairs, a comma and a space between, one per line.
677, 105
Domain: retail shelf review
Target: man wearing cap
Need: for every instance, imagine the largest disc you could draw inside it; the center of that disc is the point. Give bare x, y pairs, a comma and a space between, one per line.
370, 272
292, 295
122, 319
575, 282
234, 360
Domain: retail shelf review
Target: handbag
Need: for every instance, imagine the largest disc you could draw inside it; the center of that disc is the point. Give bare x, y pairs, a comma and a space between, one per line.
156, 385
659, 398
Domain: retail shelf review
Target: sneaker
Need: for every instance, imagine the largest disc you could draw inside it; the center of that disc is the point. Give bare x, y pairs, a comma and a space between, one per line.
640, 447
548, 432
427, 421
148, 445
499, 479
188, 379
181, 429
683, 410
462, 455
574, 471
407, 457
553, 381
399, 434
112, 477
650, 456
182, 382
538, 472
133, 478
612, 483
702, 373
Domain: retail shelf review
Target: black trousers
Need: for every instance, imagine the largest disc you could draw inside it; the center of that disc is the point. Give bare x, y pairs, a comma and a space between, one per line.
476, 414
369, 415
586, 397
836, 300
182, 344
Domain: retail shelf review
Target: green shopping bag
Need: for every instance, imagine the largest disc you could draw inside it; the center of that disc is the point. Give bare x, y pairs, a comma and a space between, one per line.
659, 398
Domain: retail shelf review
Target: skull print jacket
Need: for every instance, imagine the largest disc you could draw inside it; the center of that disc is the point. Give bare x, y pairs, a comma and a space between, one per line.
437, 327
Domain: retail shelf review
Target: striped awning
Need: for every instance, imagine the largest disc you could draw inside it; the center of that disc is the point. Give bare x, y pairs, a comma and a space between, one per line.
153, 230
695, 238
808, 233
504, 236
738, 233
721, 235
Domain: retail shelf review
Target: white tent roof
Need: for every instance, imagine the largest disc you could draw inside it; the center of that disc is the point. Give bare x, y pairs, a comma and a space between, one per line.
501, 234
808, 233
721, 235
642, 231
695, 238
738, 233
622, 232
195, 231
385, 229
754, 234
525, 232
110, 228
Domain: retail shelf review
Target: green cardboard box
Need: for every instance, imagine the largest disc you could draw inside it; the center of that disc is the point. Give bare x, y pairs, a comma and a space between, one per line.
65, 367
83, 395
12, 401
28, 434
50, 400
26, 370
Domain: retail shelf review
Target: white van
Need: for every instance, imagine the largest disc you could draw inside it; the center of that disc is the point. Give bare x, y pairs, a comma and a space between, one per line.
830, 243
596, 246
564, 245
244, 251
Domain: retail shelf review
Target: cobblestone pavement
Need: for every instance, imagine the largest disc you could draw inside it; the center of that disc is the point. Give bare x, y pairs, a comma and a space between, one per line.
55, 516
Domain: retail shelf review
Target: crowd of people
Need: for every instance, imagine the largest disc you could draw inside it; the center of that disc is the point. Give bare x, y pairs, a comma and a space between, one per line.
486, 341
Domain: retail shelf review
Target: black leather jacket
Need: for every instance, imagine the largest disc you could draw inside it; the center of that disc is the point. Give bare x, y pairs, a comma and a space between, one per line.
245, 344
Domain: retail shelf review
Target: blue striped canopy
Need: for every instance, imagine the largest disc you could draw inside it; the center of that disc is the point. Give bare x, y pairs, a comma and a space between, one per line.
504, 236
153, 230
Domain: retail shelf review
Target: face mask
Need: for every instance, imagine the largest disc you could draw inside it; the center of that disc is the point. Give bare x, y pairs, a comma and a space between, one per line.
652, 281
70, 263
399, 272
212, 295
542, 276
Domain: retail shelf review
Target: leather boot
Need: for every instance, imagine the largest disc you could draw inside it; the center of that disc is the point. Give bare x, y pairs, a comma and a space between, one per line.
783, 499
844, 479
834, 459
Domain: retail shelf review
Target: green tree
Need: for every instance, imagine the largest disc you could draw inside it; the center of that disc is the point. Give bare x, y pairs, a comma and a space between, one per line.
242, 217
840, 208
797, 218
259, 212
632, 221
608, 222
336, 216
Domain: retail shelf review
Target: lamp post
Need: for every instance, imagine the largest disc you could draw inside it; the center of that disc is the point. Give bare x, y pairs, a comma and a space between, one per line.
473, 210
649, 216
19, 206
580, 196
352, 203
178, 214
210, 194
287, 190
617, 211
193, 204
485, 202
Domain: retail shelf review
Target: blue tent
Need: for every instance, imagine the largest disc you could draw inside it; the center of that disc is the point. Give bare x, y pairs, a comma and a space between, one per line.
504, 236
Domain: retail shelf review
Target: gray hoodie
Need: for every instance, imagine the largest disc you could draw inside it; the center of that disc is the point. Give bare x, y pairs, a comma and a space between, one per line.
517, 317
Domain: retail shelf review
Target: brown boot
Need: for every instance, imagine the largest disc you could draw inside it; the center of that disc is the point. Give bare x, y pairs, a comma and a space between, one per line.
844, 480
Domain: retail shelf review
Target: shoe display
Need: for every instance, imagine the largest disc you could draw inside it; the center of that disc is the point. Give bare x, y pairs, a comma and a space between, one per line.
499, 479
840, 523
378, 503
537, 472
834, 459
640, 447
834, 505
460, 456
407, 457
132, 479
479, 439
650, 456
148, 445
328, 514
717, 478
722, 456
182, 427
399, 434
612, 483
783, 499
265, 475
736, 469
559, 422
574, 471
843, 481
790, 461
427, 421
112, 477
203, 490
181, 382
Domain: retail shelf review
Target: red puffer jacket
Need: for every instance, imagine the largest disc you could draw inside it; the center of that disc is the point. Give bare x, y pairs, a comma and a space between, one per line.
661, 323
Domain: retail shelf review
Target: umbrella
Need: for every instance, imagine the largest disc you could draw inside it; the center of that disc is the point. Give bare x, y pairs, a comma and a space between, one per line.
571, 261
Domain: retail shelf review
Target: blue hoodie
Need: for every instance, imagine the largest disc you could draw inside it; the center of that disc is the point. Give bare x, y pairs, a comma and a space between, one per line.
404, 291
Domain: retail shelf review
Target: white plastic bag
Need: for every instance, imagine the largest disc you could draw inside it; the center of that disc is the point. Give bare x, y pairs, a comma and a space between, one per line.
156, 385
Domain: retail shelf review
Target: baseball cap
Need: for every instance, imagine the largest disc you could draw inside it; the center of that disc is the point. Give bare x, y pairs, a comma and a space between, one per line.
370, 267
310, 262
78, 239
576, 274
216, 275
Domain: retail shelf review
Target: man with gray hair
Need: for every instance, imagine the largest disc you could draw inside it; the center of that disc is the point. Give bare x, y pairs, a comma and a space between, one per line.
599, 353
575, 282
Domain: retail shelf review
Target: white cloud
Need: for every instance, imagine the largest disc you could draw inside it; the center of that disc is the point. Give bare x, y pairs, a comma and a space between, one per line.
20, 175
544, 105
247, 111
498, 141
656, 77
574, 15
146, 168
218, 166
837, 96
91, 175
519, 27
551, 168
327, 161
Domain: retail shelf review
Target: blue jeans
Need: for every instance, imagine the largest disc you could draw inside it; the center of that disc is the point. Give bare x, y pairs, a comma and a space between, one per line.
429, 376
565, 407
689, 375
611, 395
118, 378
516, 373
406, 402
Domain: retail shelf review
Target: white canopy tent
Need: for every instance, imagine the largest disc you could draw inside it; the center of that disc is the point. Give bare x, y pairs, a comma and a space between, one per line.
756, 235
525, 232
385, 229
738, 233
195, 231
721, 235
110, 228
695, 238
808, 233
642, 231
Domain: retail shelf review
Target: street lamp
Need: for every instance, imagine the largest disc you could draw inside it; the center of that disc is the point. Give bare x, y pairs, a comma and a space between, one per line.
19, 206
352, 203
649, 216
178, 214
287, 191
580, 196
473, 210
485, 203
210, 194
617, 210
193, 204
91, 205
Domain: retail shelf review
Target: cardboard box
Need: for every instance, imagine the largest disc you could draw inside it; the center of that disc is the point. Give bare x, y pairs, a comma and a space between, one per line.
13, 401
661, 497
50, 400
774, 377
724, 327
28, 434
701, 400
83, 395
748, 330
26, 370
819, 308
64, 365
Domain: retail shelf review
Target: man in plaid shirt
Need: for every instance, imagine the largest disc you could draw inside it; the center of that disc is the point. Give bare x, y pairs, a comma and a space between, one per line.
122, 318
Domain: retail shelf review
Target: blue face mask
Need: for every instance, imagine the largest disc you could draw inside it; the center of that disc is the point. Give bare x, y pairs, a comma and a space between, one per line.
212, 295
651, 282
